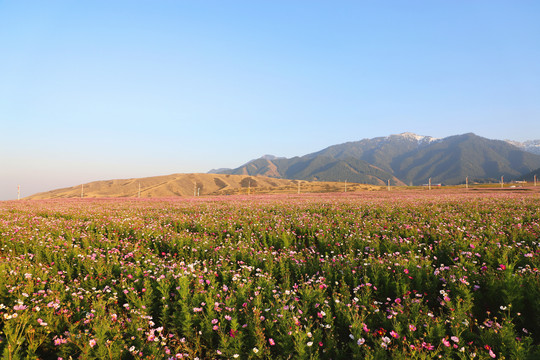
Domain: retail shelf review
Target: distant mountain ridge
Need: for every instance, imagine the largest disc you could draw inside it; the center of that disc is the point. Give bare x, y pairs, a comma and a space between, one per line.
192, 185
405, 158
532, 146
531, 176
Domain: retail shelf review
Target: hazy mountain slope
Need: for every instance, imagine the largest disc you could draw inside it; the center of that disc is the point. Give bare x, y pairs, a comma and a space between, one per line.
404, 158
164, 186
380, 151
530, 176
532, 146
320, 168
332, 169
189, 184
452, 159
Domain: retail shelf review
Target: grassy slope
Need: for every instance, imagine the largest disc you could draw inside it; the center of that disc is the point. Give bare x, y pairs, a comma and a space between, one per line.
185, 184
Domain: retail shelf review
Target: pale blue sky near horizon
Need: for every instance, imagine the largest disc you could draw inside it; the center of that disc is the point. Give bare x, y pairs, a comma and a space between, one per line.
97, 90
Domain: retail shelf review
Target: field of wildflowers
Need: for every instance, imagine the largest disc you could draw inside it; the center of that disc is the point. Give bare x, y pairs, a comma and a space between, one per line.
342, 276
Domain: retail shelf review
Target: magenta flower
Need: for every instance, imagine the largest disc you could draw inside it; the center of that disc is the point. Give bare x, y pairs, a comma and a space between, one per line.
446, 342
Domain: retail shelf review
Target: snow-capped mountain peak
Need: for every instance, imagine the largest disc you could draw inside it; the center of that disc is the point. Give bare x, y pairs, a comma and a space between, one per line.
418, 138
532, 146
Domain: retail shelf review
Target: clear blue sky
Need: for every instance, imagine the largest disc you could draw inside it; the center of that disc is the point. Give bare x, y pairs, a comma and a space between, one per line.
95, 90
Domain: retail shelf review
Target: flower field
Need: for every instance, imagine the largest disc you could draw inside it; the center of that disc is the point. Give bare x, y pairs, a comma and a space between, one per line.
376, 275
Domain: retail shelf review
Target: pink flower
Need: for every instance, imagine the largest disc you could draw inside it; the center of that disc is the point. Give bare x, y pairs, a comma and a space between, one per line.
412, 327
446, 342
492, 354
271, 342
502, 267
394, 334
454, 339
92, 342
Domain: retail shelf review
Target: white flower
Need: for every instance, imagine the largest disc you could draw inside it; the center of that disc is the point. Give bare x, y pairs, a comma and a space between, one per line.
361, 341
255, 350
309, 343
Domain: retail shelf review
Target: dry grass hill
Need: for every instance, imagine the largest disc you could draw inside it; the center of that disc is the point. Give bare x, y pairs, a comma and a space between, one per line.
201, 184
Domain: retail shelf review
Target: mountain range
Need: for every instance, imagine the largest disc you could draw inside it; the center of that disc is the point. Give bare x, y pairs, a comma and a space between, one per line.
405, 159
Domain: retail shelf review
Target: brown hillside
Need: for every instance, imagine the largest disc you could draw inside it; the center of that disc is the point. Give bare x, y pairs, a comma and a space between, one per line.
191, 184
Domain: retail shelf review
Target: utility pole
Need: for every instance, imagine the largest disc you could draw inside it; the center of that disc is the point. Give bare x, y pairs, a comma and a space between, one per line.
534, 180
298, 186
198, 191
345, 185
429, 184
502, 181
19, 192
388, 184
249, 187
467, 182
